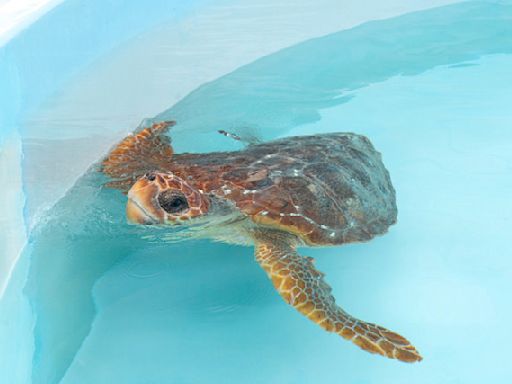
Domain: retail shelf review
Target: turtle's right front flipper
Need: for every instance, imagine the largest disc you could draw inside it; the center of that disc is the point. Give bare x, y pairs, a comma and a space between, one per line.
145, 151
303, 287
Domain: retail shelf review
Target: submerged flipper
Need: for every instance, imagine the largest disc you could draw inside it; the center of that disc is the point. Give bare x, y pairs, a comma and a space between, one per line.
303, 287
137, 154
247, 139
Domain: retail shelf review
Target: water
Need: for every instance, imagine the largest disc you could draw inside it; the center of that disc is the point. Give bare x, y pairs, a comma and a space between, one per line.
432, 90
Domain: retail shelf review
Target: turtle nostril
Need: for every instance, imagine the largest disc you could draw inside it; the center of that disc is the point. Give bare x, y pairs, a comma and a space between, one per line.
150, 176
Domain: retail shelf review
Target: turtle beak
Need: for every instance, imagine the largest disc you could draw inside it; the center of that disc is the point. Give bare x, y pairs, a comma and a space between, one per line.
137, 215
140, 208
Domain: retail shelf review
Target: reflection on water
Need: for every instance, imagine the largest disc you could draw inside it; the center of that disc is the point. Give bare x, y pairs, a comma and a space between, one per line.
288, 88
115, 306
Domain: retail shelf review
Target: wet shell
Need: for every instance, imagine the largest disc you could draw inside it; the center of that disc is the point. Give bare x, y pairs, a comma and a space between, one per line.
327, 189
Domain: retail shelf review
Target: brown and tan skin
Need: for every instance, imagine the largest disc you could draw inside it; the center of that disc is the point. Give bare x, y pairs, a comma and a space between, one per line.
317, 190
138, 154
303, 287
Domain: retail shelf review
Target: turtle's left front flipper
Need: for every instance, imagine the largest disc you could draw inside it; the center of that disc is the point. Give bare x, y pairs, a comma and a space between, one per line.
303, 287
144, 151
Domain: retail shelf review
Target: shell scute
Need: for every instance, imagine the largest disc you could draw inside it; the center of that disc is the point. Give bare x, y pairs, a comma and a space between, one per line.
326, 189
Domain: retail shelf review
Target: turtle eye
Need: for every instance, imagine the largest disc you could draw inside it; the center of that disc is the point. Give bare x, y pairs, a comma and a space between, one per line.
173, 202
150, 176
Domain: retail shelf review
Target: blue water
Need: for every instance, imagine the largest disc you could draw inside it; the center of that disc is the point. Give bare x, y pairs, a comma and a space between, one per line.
432, 90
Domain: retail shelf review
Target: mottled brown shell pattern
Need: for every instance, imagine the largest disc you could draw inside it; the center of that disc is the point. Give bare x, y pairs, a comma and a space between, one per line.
327, 189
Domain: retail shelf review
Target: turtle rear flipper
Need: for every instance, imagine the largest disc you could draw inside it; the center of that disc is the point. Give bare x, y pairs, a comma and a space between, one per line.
243, 137
303, 287
137, 154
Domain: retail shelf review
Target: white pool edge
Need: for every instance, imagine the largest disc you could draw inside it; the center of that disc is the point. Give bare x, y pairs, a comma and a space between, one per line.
13, 235
15, 15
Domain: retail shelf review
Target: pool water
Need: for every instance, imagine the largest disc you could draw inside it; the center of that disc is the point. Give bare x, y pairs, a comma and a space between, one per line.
108, 302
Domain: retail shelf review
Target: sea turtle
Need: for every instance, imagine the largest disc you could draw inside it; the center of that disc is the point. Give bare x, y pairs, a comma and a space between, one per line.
319, 190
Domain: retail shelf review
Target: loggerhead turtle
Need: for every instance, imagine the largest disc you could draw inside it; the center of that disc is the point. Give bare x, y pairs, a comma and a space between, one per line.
319, 190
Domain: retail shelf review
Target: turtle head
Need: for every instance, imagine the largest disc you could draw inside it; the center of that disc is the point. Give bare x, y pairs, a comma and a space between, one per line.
165, 199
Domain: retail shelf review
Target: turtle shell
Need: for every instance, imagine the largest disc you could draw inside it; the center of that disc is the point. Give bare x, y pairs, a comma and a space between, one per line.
326, 189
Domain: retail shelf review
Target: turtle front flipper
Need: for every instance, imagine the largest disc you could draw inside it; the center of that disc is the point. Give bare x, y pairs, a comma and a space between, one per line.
137, 154
303, 287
